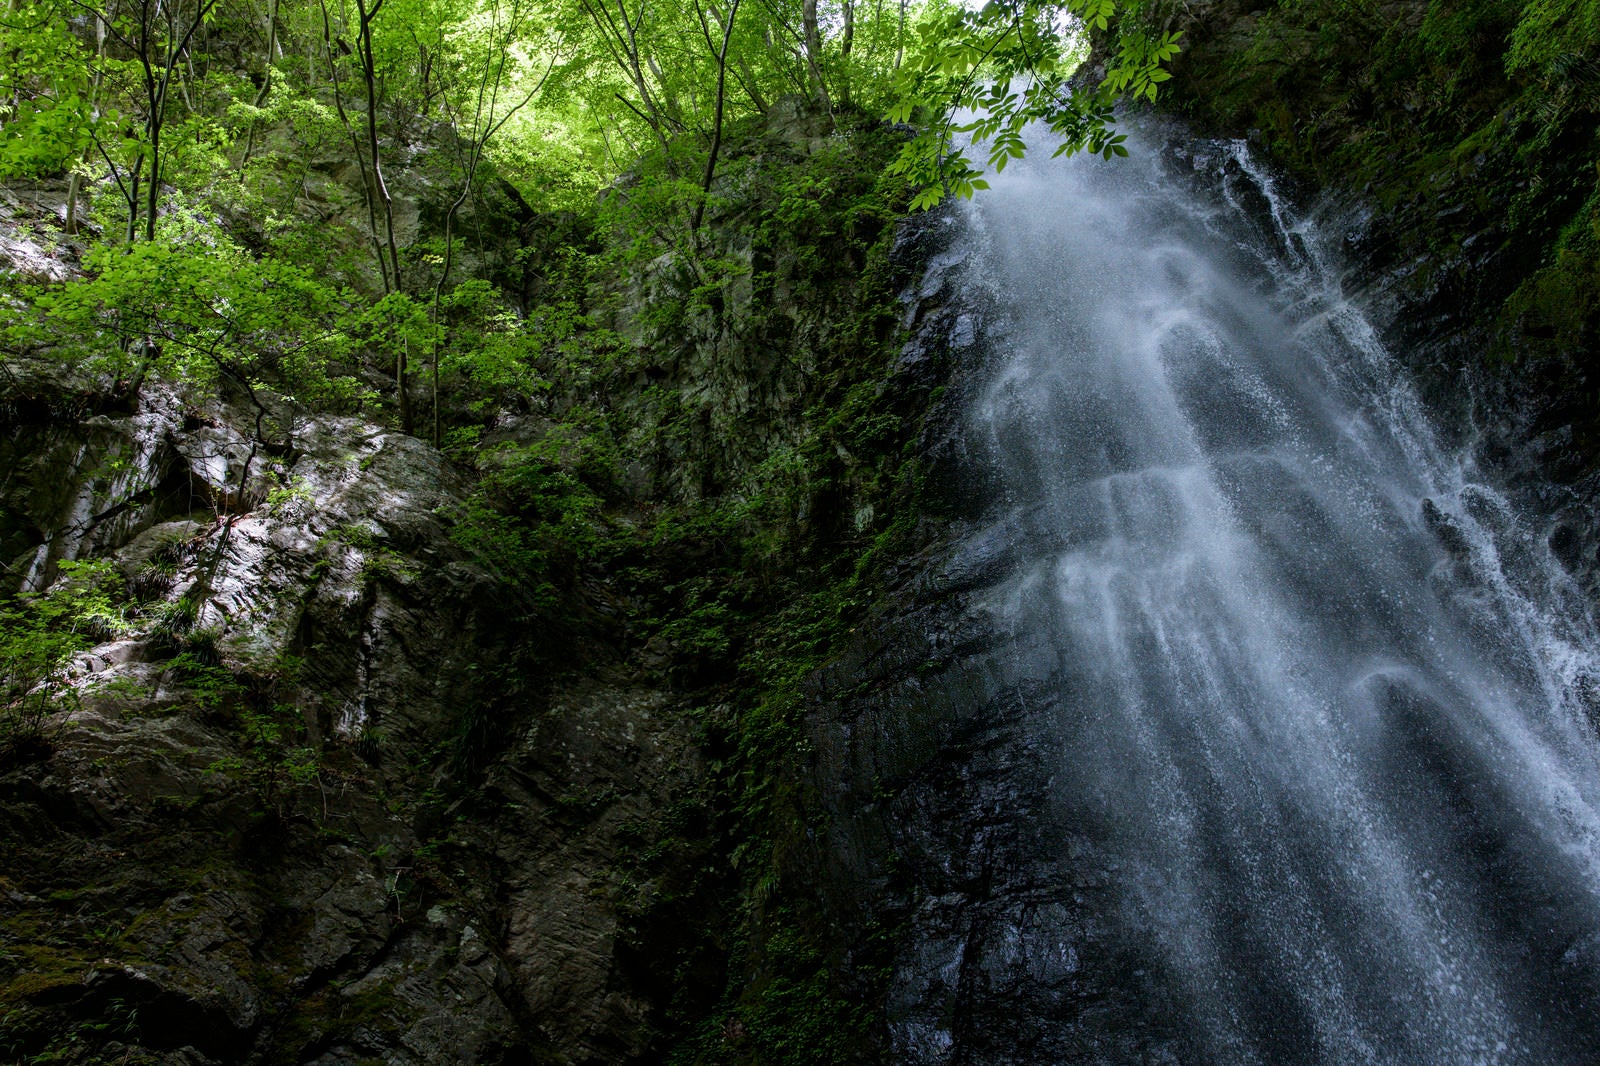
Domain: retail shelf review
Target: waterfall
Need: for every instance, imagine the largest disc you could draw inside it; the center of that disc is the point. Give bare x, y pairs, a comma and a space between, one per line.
1313, 697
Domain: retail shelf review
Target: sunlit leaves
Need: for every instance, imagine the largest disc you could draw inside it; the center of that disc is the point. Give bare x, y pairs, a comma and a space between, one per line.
1137, 70
993, 72
45, 81
1548, 29
489, 345
1094, 13
191, 307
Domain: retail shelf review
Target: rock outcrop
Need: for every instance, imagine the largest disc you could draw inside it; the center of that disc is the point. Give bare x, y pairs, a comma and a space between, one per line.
240, 849
331, 787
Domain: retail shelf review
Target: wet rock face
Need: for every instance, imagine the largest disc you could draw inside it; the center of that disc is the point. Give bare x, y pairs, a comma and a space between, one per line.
932, 764
935, 762
174, 890
332, 551
25, 251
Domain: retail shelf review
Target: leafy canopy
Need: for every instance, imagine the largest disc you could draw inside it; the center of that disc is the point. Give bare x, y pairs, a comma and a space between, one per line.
987, 74
46, 85
205, 131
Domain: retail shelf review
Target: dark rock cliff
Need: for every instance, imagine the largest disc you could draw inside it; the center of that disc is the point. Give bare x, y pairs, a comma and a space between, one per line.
333, 787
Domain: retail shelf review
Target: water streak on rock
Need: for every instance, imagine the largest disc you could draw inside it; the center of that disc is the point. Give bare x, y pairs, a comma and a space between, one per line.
1309, 699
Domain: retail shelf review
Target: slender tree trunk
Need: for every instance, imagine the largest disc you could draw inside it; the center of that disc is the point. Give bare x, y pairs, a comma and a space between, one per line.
620, 35
716, 125
157, 91
369, 77
367, 196
670, 105
75, 183
14, 7
266, 84
634, 64
157, 73
143, 50
132, 233
747, 81
847, 40
813, 47
272, 54
153, 191
157, 121
900, 37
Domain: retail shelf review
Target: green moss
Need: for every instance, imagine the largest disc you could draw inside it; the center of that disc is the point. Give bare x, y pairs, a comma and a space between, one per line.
1555, 313
1345, 87
57, 978
797, 1015
742, 585
332, 1013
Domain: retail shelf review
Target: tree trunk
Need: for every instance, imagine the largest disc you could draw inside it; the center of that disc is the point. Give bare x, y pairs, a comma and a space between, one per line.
75, 183
272, 53
752, 89
813, 45
132, 193
369, 77
266, 85
153, 193
846, 41
367, 195
900, 37
716, 126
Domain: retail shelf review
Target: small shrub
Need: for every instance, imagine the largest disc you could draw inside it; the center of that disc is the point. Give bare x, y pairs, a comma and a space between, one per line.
39, 635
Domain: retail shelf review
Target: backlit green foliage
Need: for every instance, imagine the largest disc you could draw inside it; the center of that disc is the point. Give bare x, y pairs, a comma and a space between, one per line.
39, 635
45, 81
985, 75
193, 306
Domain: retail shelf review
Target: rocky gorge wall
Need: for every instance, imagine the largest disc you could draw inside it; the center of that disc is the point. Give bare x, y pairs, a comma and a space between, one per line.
739, 790
331, 785
238, 849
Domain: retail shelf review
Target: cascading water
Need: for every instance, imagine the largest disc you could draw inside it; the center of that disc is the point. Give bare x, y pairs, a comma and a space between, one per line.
1316, 702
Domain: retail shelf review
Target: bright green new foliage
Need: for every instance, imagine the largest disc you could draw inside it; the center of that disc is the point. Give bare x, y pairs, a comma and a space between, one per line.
148, 104
47, 91
194, 307
39, 635
985, 75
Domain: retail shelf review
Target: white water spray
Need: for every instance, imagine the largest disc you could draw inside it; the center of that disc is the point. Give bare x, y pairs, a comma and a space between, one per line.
1319, 693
